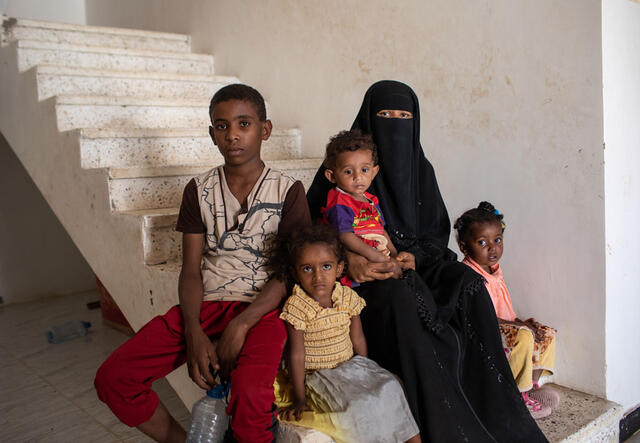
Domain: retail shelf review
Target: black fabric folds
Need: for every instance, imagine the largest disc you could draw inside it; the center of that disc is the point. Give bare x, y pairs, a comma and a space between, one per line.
435, 328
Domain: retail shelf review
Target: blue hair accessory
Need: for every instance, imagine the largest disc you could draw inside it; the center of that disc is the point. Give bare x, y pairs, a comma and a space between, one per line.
496, 212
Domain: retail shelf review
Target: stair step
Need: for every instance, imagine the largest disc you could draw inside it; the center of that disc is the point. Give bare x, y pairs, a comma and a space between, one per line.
18, 29
161, 242
61, 80
153, 188
75, 111
130, 148
32, 53
582, 417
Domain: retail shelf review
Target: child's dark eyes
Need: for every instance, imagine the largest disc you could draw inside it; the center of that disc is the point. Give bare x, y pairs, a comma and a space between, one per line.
220, 126
365, 170
325, 267
348, 171
482, 242
498, 241
244, 124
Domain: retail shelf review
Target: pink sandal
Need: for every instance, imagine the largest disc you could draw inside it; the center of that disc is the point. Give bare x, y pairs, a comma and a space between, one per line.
536, 409
544, 395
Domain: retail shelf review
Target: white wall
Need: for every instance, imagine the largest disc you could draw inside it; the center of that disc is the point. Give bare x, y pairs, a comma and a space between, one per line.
37, 256
512, 113
66, 11
621, 77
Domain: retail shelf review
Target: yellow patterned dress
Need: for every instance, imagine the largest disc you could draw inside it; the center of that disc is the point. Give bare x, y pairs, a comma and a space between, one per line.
352, 399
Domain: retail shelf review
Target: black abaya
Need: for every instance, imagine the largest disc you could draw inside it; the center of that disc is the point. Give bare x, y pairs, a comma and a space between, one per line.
435, 328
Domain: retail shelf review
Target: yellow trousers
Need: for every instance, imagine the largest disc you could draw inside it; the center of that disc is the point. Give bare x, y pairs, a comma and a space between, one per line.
521, 359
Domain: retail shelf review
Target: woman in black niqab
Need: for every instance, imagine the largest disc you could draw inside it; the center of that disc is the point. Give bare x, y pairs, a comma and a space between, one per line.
435, 328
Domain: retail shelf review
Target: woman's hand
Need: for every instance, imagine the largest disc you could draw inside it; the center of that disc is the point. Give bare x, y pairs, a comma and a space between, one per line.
407, 260
362, 270
294, 411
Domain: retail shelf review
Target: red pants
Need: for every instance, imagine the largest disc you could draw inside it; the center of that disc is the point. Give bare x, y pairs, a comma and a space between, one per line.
124, 380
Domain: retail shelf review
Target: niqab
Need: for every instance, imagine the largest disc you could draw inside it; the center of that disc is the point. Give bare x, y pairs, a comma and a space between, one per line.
406, 184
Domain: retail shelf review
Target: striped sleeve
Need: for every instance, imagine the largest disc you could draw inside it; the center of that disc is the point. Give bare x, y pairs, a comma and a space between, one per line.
353, 302
293, 312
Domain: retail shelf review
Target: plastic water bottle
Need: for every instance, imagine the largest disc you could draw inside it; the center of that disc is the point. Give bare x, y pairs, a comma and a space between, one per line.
67, 331
209, 419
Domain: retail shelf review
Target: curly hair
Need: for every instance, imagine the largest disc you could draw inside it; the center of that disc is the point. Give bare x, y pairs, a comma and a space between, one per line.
287, 248
238, 91
484, 213
350, 141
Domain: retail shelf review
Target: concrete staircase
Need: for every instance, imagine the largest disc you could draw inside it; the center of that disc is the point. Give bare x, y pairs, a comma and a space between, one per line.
111, 124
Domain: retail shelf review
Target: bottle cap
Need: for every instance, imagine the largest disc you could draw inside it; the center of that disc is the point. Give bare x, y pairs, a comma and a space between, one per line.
219, 391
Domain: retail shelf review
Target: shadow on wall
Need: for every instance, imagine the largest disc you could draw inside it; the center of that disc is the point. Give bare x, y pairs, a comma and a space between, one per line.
37, 257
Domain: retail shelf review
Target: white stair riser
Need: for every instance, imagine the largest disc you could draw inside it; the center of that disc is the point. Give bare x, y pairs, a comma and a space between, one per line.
131, 194
162, 244
51, 84
165, 151
30, 57
101, 39
72, 116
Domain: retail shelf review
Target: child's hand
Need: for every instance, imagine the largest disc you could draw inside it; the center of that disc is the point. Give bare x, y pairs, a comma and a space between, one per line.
294, 411
407, 260
378, 256
536, 328
533, 323
201, 355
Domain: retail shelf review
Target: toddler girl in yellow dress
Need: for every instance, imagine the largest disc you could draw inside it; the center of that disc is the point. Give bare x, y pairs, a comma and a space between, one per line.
335, 387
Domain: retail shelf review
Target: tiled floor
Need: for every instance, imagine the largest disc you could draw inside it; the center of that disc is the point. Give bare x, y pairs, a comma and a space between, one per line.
46, 390
47, 395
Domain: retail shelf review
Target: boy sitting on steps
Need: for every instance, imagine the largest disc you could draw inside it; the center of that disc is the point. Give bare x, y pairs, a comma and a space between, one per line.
225, 292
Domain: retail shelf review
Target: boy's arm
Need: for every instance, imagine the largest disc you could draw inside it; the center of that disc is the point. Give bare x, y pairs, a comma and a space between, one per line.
357, 336
234, 334
200, 351
296, 368
355, 244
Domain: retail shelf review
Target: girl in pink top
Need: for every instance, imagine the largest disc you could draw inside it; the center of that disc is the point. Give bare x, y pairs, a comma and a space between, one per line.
530, 346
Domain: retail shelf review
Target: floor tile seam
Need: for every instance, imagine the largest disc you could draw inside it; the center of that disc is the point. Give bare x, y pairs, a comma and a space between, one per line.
70, 399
